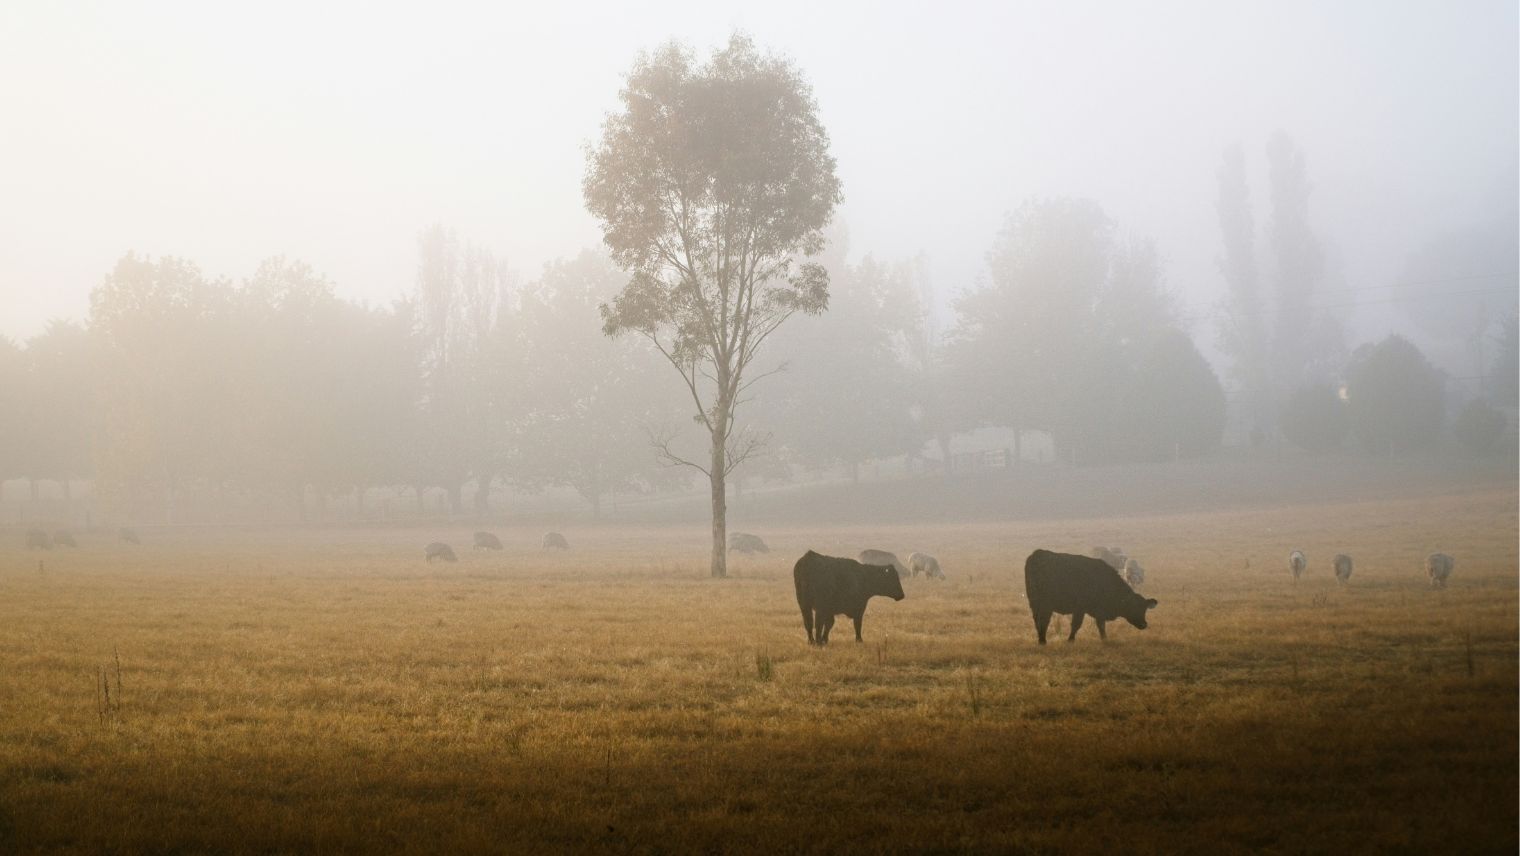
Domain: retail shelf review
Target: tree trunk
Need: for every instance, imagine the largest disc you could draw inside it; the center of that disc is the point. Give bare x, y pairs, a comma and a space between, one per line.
482, 500
719, 508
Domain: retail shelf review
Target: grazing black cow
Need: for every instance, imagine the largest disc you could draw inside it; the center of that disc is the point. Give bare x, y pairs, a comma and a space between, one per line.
743, 542
828, 586
1079, 586
64, 538
37, 539
127, 536
440, 550
487, 541
556, 541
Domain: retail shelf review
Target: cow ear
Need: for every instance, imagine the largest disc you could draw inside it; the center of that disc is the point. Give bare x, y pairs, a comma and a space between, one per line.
1150, 604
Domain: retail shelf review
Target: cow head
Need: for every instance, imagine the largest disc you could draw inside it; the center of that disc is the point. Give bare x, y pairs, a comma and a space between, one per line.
886, 581
1134, 611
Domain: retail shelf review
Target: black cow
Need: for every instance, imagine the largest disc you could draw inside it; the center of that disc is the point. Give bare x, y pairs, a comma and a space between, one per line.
743, 542
37, 539
828, 586
1079, 586
487, 541
64, 538
127, 536
556, 541
439, 550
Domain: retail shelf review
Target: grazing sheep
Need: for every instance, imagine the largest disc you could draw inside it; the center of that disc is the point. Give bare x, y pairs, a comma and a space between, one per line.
1438, 566
1133, 573
440, 550
882, 557
64, 538
1112, 556
1297, 563
37, 539
1342, 567
487, 541
556, 541
923, 563
127, 536
743, 542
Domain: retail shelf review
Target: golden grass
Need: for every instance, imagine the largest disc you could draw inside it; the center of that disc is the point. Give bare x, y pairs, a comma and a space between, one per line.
325, 690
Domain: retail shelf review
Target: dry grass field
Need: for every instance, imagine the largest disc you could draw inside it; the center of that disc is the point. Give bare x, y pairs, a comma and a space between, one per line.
325, 690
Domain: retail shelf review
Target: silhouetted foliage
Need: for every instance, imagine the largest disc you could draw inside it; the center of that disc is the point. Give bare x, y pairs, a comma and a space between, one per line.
1505, 377
1177, 406
1315, 419
1395, 397
1053, 342
1479, 427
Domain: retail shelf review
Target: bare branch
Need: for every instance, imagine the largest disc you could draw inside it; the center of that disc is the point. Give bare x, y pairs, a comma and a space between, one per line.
660, 440
688, 376
748, 444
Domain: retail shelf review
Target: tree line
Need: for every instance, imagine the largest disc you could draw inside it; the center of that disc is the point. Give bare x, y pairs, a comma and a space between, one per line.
716, 192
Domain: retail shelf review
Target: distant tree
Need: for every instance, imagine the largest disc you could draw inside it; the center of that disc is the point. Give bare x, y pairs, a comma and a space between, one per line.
1479, 427
1314, 418
1176, 405
1243, 326
1298, 261
709, 182
589, 400
1504, 379
169, 414
459, 291
1049, 343
60, 403
493, 404
13, 429
851, 364
1020, 340
1395, 397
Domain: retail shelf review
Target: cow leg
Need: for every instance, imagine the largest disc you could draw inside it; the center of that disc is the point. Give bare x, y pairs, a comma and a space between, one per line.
825, 624
858, 622
1076, 624
1041, 624
1101, 635
807, 624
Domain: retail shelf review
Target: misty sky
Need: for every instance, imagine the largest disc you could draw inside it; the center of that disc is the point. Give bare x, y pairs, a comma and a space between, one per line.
227, 133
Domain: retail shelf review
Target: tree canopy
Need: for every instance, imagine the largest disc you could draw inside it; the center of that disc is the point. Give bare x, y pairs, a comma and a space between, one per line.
710, 182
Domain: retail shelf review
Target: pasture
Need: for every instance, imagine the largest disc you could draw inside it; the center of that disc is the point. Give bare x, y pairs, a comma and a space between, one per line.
326, 690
